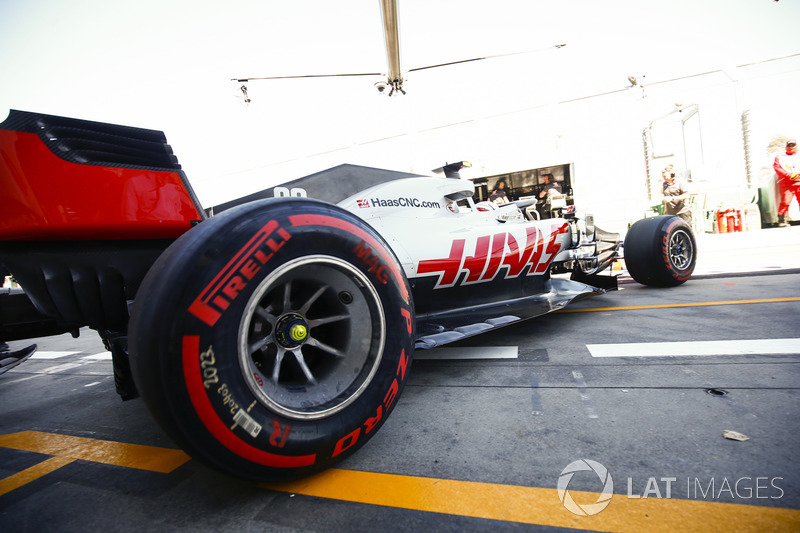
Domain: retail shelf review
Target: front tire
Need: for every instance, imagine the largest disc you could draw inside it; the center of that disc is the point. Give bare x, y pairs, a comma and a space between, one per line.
660, 251
273, 340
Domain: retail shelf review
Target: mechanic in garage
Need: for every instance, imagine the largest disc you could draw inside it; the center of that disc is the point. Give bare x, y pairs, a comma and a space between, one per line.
551, 187
499, 195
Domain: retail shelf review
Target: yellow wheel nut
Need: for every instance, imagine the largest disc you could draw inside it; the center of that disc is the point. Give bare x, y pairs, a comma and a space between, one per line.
298, 332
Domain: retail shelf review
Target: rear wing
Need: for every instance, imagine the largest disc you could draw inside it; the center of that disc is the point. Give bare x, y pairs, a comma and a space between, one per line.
65, 178
85, 209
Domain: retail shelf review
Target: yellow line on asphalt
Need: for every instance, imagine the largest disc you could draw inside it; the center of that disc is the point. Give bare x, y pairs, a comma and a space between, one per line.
33, 473
695, 304
67, 449
539, 506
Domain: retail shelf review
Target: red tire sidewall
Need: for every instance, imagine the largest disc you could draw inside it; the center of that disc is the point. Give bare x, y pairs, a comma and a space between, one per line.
219, 413
676, 274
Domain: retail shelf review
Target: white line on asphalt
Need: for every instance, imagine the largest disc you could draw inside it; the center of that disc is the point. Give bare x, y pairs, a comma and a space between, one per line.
691, 348
577, 375
60, 368
454, 354
51, 355
23, 379
103, 356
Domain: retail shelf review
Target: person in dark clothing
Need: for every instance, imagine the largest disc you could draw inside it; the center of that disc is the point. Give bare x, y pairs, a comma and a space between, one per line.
499, 195
551, 188
550, 185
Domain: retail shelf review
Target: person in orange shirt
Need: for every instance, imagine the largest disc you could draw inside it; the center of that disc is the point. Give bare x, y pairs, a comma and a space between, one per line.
787, 167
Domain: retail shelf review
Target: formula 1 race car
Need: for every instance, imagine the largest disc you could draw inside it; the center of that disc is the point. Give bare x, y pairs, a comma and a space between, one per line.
271, 336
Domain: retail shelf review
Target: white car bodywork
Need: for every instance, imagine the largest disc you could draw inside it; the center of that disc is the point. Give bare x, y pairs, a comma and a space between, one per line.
423, 222
474, 269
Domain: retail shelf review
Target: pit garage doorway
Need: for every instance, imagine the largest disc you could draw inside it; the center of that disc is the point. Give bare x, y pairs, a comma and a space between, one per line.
527, 183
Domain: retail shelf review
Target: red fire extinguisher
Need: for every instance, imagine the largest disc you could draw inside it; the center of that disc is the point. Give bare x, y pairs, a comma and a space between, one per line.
722, 226
733, 220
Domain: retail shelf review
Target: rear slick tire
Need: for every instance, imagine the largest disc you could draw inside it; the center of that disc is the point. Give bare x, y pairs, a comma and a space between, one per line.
660, 251
274, 339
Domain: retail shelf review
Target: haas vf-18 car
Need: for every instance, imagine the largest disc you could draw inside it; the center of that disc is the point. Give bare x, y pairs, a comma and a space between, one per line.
272, 336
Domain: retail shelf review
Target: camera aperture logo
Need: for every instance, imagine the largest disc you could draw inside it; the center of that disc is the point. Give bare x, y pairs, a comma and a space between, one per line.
585, 509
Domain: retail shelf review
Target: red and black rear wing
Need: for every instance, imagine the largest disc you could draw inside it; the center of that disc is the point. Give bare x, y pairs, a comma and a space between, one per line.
85, 209
65, 178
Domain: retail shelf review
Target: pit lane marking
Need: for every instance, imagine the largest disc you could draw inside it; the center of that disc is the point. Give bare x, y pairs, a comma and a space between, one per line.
491, 501
33, 473
66, 449
102, 356
534, 505
586, 399
697, 348
477, 352
36, 370
664, 306
51, 355
59, 368
536, 400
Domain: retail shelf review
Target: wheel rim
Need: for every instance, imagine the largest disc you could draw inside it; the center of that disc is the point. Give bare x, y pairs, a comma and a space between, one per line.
681, 249
311, 337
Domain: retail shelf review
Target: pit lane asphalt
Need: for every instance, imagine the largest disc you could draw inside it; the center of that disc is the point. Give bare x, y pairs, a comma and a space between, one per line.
474, 444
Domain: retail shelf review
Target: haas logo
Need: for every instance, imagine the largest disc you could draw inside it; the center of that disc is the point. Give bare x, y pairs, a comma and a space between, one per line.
482, 261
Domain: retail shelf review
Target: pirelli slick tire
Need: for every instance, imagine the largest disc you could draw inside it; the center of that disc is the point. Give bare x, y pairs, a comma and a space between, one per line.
660, 251
274, 339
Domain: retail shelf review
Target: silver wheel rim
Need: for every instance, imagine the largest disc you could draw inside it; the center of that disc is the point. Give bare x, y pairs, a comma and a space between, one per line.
680, 249
311, 337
